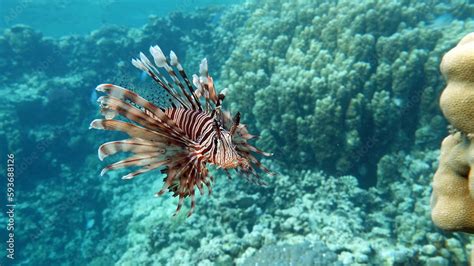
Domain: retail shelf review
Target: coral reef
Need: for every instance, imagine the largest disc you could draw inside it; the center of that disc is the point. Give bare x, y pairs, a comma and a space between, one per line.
344, 93
329, 82
388, 224
457, 99
48, 99
57, 76
304, 254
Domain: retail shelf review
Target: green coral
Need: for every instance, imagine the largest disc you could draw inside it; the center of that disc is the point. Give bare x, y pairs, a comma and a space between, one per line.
327, 83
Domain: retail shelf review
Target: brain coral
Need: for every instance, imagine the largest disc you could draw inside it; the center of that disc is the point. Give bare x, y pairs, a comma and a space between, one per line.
336, 85
457, 100
452, 200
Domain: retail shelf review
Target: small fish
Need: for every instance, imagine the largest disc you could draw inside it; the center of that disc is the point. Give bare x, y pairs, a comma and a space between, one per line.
90, 223
182, 139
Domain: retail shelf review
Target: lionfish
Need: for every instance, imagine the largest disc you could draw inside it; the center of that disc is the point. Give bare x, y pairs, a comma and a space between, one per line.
181, 139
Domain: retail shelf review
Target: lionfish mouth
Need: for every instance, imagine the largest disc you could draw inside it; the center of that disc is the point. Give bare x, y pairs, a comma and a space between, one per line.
181, 139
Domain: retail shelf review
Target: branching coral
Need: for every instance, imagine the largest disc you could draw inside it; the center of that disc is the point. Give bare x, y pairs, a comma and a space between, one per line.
328, 83
46, 87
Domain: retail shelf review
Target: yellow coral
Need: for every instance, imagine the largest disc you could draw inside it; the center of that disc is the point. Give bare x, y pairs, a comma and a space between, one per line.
452, 200
457, 100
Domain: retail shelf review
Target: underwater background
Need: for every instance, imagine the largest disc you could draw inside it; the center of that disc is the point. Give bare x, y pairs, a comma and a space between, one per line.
344, 93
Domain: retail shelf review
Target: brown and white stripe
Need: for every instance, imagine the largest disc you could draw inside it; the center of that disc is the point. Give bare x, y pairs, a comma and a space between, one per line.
181, 140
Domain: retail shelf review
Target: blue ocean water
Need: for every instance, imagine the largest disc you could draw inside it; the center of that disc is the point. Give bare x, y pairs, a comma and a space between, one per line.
338, 100
66, 17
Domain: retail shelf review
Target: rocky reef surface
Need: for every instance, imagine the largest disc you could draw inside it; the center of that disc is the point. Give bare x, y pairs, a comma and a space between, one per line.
344, 93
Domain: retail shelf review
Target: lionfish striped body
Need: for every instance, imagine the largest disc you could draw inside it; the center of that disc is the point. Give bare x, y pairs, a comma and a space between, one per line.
181, 140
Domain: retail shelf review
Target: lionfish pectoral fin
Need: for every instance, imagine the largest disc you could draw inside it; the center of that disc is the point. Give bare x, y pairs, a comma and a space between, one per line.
236, 122
180, 204
135, 145
193, 205
148, 161
228, 174
156, 141
184, 172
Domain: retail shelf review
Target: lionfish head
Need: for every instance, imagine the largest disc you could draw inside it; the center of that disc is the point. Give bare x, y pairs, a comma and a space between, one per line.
227, 155
233, 158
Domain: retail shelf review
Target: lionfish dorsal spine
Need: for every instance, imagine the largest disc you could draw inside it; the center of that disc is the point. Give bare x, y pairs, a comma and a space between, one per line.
174, 76
181, 94
184, 76
145, 65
